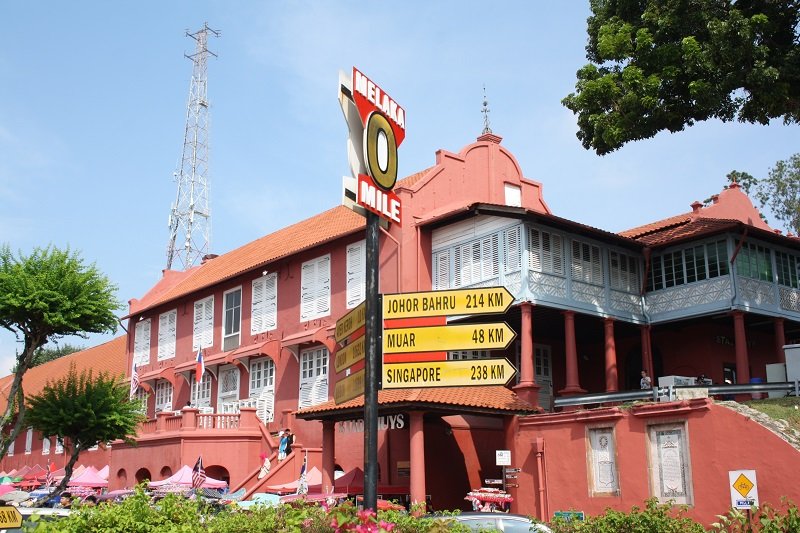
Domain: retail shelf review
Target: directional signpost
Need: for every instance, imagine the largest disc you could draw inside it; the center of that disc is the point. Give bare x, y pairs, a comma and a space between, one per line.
349, 355
350, 387
10, 517
447, 373
350, 328
351, 322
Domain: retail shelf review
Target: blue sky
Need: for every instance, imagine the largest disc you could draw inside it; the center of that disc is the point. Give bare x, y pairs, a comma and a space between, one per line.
93, 103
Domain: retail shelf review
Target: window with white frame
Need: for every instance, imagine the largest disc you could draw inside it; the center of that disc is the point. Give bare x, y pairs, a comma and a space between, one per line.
59, 445
513, 195
754, 261
788, 269
203, 325
688, 265
29, 441
313, 377
463, 355
586, 265
163, 395
513, 249
623, 272
315, 288
141, 343
46, 446
545, 252
141, 396
262, 387
477, 261
356, 273
232, 319
201, 392
264, 308
167, 333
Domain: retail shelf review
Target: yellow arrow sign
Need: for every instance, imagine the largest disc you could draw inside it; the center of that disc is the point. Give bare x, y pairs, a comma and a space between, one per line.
350, 354
496, 336
452, 302
10, 517
351, 321
463, 373
348, 388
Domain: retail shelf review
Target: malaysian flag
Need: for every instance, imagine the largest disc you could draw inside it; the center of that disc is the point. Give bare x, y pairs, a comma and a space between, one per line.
198, 473
200, 366
134, 379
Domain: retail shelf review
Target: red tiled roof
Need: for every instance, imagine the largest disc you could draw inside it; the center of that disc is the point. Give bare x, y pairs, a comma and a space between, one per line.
677, 220
108, 357
411, 180
686, 230
490, 398
327, 226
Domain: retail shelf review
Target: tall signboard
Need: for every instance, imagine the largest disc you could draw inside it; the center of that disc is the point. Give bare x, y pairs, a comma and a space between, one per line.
377, 125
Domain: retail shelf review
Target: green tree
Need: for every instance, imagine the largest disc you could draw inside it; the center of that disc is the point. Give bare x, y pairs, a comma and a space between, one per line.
43, 296
660, 65
45, 355
83, 411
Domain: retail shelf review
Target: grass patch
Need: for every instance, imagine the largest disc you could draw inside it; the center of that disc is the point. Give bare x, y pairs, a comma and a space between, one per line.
787, 408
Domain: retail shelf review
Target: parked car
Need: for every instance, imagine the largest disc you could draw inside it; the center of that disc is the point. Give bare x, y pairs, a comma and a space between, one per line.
505, 522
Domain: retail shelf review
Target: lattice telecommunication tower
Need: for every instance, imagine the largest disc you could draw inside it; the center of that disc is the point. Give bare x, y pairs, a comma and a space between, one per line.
190, 216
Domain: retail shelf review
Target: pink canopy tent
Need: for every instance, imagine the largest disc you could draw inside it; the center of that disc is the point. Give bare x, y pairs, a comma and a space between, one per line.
183, 477
34, 472
103, 472
353, 483
313, 477
88, 478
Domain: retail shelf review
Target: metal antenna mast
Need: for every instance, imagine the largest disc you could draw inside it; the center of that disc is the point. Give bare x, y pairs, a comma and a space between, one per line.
190, 216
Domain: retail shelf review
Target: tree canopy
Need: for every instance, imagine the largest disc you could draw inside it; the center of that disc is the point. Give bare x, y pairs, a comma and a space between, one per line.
43, 296
83, 410
659, 65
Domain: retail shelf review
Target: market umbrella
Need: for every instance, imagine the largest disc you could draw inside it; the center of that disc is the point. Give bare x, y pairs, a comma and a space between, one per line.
103, 472
16, 496
88, 478
4, 489
313, 477
183, 478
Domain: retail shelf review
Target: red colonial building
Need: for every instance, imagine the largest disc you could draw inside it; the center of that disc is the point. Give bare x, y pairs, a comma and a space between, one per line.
714, 291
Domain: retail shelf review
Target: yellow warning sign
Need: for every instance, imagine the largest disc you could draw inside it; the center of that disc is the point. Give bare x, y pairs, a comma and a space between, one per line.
10, 517
743, 485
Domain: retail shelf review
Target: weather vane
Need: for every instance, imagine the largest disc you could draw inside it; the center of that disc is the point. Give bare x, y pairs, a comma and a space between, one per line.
485, 111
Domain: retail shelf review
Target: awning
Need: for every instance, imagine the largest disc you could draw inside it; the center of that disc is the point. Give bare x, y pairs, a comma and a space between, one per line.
302, 338
271, 348
162, 373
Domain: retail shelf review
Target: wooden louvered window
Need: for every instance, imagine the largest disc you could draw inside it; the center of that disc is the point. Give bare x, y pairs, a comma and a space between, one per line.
513, 250
203, 324
477, 261
545, 252
356, 273
623, 272
586, 264
141, 343
441, 270
167, 324
315, 288
264, 308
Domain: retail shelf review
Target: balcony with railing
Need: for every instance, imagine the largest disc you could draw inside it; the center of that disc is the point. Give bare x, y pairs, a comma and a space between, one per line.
169, 424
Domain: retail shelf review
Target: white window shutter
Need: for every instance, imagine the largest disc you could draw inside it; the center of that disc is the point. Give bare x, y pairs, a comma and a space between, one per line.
141, 343
203, 327
441, 273
513, 250
271, 302
324, 286
356, 273
557, 254
167, 323
258, 306
208, 323
197, 325
307, 285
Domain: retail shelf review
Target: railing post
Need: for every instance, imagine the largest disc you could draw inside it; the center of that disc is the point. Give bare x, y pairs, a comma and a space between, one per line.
189, 418
161, 421
248, 418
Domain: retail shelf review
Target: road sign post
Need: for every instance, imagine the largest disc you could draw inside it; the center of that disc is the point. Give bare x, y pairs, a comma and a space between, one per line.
493, 336
10, 517
479, 301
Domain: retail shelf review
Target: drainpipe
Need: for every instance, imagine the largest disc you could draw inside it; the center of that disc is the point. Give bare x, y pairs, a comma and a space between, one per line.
538, 448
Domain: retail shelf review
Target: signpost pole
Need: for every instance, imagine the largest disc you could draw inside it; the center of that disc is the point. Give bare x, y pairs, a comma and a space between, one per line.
372, 365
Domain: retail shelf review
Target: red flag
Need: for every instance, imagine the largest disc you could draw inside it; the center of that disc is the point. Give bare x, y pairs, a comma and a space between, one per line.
200, 366
198, 473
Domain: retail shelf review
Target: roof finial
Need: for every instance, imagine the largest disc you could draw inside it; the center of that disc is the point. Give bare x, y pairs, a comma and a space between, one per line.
485, 111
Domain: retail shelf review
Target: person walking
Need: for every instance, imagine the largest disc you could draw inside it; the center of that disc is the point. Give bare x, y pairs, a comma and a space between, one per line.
283, 445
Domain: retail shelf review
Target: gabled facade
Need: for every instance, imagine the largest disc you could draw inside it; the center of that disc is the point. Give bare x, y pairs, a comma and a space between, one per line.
713, 291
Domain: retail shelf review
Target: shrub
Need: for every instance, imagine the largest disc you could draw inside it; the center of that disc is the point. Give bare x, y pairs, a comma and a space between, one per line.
654, 518
763, 519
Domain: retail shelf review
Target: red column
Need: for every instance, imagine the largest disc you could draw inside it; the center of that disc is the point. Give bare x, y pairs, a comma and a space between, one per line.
740, 338
647, 352
527, 389
417, 459
612, 373
573, 383
780, 340
328, 454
